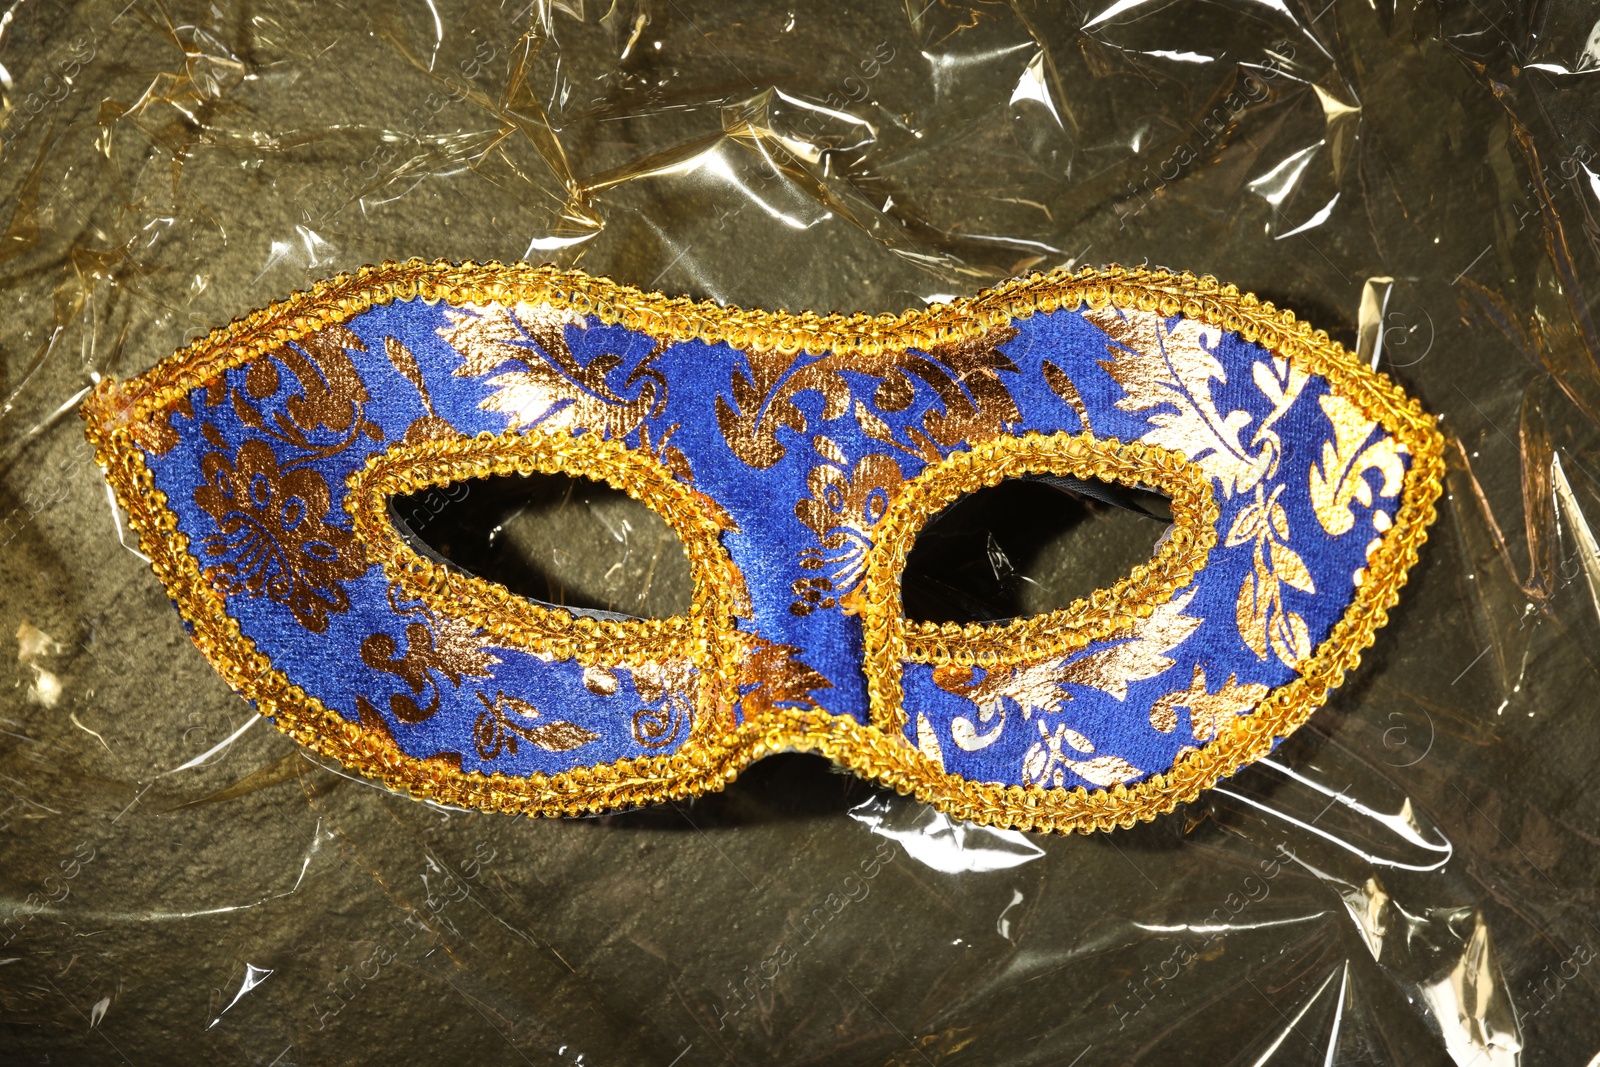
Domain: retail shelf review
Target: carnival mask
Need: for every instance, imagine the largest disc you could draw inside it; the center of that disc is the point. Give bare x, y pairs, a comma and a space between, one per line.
796, 457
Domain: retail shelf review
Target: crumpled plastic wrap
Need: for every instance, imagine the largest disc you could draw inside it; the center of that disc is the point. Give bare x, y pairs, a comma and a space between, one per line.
1411, 878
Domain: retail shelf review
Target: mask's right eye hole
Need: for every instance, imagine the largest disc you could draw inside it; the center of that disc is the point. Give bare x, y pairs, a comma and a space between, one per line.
1029, 546
554, 538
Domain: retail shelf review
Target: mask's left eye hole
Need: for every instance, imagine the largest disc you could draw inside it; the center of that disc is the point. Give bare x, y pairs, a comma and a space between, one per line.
1028, 546
554, 538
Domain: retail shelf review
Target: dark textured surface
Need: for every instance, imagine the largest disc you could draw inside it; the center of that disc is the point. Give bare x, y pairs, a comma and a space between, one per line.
556, 539
1410, 879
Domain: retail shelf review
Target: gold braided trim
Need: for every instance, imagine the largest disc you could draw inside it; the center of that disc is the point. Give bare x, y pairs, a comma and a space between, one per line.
304, 718
411, 467
672, 319
891, 640
117, 415
705, 636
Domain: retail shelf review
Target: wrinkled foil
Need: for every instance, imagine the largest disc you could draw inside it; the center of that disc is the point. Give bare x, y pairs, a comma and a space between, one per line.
1411, 878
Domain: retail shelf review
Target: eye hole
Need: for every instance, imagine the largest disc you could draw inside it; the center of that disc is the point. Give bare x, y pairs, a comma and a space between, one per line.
554, 538
1028, 546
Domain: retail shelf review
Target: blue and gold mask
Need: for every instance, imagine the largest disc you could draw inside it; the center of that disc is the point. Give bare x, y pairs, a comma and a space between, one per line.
796, 457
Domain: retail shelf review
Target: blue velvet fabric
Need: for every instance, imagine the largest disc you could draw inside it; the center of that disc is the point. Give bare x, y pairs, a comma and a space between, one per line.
324, 641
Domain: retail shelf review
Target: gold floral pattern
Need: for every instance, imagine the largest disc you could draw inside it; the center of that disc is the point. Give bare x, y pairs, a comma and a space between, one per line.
1262, 619
1138, 654
667, 689
1056, 753
1168, 369
1209, 712
772, 676
327, 414
402, 360
1142, 655
273, 536
1342, 478
545, 383
841, 511
964, 374
1060, 383
271, 511
1034, 687
507, 719
450, 648
928, 741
